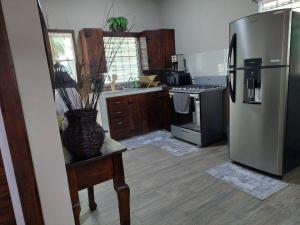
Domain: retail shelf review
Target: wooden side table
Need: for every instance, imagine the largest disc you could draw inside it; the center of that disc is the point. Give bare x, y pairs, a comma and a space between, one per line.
87, 173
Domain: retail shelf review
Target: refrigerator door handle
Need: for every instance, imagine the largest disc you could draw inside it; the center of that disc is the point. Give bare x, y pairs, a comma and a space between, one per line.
231, 81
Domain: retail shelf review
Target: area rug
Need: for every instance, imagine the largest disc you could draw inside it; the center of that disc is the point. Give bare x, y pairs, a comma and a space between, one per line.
254, 184
162, 139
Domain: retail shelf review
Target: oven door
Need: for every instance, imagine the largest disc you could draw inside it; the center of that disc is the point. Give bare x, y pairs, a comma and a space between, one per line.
190, 121
187, 127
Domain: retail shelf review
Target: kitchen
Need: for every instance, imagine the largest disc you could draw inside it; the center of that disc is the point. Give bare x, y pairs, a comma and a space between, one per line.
211, 137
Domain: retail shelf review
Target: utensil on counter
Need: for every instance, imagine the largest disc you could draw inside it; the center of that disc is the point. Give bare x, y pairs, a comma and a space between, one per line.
113, 80
148, 81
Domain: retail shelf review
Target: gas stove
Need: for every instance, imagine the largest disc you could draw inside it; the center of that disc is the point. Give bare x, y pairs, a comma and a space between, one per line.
194, 89
203, 123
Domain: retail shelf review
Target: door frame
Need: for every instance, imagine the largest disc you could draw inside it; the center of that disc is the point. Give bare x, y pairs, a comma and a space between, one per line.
17, 137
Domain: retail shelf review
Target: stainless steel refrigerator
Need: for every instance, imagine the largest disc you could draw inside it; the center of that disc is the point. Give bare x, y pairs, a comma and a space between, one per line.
264, 87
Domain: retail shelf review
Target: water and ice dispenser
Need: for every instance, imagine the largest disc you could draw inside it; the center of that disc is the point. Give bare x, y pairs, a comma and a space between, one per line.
252, 81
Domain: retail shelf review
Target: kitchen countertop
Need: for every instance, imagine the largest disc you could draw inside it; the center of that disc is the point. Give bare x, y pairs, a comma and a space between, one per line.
130, 91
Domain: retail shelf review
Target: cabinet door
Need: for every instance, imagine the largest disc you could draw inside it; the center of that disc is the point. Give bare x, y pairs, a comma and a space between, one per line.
154, 111
168, 47
160, 48
135, 114
154, 49
92, 50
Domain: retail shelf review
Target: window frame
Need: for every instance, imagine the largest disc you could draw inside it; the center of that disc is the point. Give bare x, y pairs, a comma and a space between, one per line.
136, 35
72, 32
120, 34
289, 4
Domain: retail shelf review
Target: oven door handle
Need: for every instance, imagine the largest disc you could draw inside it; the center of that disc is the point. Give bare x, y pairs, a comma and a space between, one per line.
184, 131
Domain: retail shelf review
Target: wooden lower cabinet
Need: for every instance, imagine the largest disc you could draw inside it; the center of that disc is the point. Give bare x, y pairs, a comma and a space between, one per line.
137, 114
7, 216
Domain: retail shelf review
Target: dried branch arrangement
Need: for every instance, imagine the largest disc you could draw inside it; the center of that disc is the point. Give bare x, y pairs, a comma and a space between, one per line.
84, 95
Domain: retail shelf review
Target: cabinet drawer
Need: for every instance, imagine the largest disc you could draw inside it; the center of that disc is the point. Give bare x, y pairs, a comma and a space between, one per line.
118, 112
122, 133
116, 102
119, 123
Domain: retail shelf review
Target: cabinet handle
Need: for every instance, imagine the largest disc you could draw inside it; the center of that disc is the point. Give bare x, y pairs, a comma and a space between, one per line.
120, 123
117, 102
118, 113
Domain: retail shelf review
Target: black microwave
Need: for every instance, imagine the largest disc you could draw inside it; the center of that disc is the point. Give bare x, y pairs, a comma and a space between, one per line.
178, 79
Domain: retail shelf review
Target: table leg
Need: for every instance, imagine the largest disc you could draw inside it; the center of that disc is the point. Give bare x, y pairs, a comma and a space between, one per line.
92, 203
74, 195
122, 190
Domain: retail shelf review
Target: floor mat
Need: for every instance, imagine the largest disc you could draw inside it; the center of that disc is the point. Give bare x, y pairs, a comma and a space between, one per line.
162, 139
254, 184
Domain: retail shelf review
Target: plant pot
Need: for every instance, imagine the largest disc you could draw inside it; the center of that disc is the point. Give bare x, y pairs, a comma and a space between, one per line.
83, 137
121, 29
118, 29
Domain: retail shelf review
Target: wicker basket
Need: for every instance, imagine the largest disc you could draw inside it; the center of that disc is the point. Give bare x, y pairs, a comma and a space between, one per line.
83, 137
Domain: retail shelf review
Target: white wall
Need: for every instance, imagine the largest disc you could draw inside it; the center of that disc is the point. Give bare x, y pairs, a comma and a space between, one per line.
33, 79
207, 63
78, 14
202, 30
202, 25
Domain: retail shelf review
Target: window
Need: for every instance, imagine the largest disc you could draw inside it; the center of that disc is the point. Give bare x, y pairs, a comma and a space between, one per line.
63, 50
267, 5
122, 57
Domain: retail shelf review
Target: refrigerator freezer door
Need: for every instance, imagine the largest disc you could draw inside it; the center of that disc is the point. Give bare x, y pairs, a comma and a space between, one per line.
264, 35
257, 130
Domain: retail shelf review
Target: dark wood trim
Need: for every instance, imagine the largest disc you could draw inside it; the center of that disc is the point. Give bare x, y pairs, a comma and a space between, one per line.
47, 47
74, 44
61, 31
14, 123
120, 34
6, 208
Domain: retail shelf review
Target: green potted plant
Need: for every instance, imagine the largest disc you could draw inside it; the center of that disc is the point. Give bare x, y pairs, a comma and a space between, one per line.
117, 24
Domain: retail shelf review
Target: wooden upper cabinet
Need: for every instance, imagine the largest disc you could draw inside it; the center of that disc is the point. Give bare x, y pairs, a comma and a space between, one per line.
168, 46
154, 45
92, 50
160, 48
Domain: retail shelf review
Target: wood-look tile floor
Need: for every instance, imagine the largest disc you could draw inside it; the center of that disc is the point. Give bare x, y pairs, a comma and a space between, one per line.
170, 190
